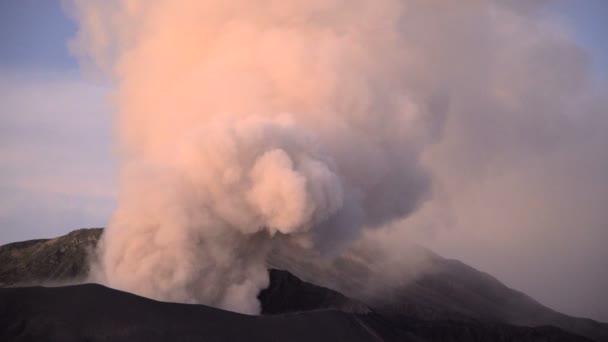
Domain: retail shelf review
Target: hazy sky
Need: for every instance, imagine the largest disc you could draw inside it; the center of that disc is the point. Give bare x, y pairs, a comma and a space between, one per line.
56, 147
56, 170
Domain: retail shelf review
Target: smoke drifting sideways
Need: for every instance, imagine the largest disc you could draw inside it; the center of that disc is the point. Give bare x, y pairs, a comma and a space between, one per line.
245, 124
519, 163
243, 121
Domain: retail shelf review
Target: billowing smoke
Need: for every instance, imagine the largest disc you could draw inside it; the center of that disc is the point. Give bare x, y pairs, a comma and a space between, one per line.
242, 121
245, 124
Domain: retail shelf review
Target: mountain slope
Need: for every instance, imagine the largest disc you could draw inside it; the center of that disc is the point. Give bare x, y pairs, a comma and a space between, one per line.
95, 313
48, 261
440, 289
448, 293
286, 293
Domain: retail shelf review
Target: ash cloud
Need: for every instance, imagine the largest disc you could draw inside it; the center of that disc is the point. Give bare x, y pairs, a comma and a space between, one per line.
241, 122
518, 164
471, 125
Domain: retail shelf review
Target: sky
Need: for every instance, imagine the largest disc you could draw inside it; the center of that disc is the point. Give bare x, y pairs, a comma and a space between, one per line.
57, 159
56, 170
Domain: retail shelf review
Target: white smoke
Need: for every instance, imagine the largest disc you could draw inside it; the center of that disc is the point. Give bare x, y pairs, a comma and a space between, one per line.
240, 121
243, 121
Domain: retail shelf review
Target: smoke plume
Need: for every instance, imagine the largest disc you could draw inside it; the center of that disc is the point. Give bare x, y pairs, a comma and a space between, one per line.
247, 124
242, 121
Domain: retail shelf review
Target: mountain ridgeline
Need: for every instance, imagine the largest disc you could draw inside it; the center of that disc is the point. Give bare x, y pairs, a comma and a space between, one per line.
449, 302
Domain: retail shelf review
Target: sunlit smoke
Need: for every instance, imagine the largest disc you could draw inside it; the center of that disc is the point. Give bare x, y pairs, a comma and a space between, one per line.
240, 121
245, 124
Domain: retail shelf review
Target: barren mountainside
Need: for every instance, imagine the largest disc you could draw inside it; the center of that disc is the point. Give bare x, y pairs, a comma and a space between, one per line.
48, 261
450, 302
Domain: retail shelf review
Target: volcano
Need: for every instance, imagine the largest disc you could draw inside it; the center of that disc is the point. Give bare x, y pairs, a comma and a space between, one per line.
453, 302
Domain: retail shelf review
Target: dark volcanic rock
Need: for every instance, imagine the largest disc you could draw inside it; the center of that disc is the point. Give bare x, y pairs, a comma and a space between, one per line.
445, 291
456, 291
458, 331
450, 302
286, 293
95, 313
58, 260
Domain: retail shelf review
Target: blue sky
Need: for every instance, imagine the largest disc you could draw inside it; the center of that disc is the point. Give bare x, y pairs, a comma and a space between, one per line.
57, 169
588, 20
33, 34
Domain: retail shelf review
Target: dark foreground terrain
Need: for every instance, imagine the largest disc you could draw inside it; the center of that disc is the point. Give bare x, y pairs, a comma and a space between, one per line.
452, 302
96, 313
93, 312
